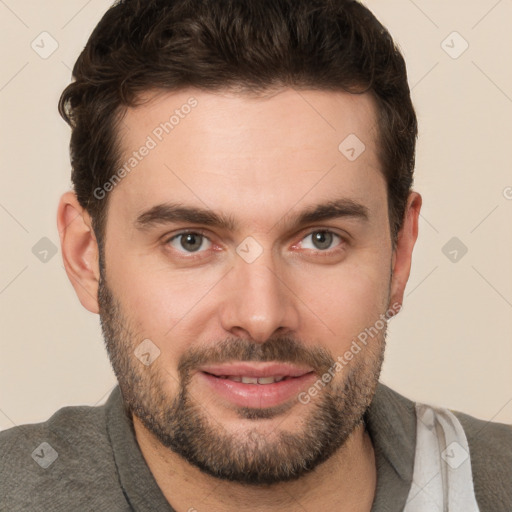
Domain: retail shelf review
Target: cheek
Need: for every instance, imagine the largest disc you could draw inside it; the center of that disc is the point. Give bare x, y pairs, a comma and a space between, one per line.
164, 305
347, 299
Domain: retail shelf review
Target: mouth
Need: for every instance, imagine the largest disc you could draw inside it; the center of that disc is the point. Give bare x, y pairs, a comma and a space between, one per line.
256, 385
253, 380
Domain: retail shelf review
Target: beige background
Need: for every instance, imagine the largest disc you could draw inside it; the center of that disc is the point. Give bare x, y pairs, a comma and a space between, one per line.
450, 346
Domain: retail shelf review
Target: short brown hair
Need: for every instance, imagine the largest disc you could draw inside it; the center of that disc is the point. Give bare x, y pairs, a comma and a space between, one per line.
243, 45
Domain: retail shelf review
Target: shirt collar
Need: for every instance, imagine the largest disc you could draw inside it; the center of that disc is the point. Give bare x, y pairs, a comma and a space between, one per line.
391, 424
139, 486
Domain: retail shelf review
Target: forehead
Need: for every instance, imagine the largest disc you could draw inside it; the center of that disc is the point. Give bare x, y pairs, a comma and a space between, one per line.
247, 155
294, 115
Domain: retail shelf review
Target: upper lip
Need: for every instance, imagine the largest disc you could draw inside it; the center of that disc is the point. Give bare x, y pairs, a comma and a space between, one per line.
256, 370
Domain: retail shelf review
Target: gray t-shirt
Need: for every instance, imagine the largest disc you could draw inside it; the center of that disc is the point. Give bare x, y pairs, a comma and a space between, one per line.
87, 459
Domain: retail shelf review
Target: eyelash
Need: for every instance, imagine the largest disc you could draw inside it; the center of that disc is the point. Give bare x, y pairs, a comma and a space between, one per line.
198, 255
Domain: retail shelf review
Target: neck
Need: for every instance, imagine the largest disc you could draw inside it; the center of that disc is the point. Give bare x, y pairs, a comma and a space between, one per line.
345, 482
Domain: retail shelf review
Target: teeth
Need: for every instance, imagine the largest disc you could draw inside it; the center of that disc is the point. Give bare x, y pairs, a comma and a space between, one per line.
254, 380
266, 380
249, 380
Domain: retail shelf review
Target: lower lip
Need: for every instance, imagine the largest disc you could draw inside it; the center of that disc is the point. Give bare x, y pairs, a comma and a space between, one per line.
258, 396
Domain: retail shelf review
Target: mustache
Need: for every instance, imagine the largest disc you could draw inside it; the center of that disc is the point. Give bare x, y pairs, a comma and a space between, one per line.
282, 349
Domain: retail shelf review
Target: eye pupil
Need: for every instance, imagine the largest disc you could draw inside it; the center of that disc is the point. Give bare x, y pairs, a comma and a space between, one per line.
193, 239
322, 239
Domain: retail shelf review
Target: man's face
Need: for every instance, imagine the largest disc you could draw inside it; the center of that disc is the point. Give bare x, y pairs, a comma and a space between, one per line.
231, 308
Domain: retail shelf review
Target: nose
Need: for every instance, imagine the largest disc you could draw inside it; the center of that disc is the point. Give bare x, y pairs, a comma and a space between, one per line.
258, 301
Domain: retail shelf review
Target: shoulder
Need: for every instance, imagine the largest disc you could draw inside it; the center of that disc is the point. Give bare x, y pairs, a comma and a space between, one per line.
490, 447
65, 460
71, 428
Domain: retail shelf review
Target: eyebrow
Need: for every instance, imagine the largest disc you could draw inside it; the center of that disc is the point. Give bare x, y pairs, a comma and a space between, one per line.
167, 213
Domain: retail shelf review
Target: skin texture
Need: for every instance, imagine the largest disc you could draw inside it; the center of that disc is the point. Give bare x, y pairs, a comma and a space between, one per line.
260, 162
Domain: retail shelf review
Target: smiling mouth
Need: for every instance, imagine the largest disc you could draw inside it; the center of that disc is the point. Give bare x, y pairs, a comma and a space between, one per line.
256, 373
254, 384
253, 380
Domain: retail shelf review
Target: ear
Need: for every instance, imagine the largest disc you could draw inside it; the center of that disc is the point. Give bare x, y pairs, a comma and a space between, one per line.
79, 250
402, 255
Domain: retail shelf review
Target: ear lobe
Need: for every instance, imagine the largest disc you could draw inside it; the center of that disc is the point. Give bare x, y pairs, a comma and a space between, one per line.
79, 250
402, 255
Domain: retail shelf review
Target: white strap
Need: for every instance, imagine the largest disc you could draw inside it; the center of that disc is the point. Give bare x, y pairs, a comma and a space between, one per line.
442, 479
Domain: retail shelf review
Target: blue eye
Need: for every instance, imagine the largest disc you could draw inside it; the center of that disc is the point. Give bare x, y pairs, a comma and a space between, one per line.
321, 240
189, 242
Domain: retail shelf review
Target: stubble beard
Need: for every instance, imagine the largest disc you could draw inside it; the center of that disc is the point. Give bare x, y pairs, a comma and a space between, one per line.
252, 457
